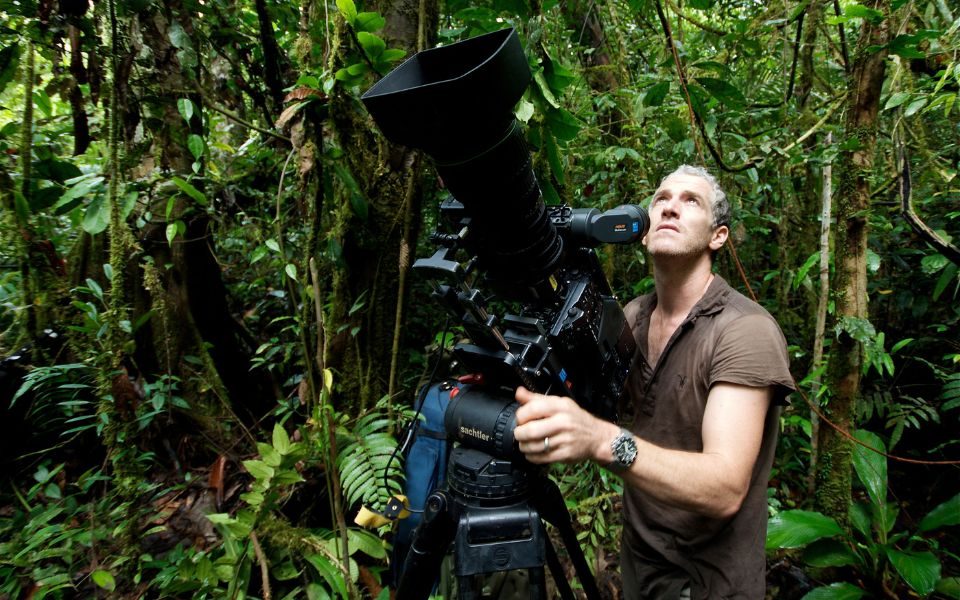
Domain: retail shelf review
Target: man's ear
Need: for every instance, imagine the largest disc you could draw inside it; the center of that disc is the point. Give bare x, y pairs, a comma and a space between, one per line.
720, 235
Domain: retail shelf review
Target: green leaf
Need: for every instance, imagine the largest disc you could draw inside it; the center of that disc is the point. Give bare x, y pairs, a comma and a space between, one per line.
949, 587
371, 44
655, 95
921, 570
80, 187
259, 469
273, 245
97, 216
330, 572
545, 90
196, 145
835, 591
366, 542
281, 441
369, 21
870, 466
291, 271
943, 515
797, 528
185, 108
829, 553
914, 106
191, 191
860, 518
723, 91
104, 580
896, 99
563, 125
348, 9
905, 46
856, 11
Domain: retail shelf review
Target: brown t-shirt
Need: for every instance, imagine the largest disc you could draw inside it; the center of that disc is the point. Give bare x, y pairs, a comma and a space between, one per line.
725, 338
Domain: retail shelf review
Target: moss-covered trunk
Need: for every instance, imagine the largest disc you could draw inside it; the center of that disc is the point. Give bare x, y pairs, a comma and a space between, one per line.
372, 232
833, 475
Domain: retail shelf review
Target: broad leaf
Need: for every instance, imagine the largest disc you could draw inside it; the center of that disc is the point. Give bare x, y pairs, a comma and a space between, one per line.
330, 572
796, 528
829, 553
723, 91
259, 469
921, 570
563, 125
949, 587
372, 44
871, 465
369, 21
836, 591
191, 191
195, 145
943, 515
104, 579
654, 96
97, 216
185, 108
348, 9
281, 441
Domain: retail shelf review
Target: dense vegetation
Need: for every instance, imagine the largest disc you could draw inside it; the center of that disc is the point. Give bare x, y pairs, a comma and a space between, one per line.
210, 334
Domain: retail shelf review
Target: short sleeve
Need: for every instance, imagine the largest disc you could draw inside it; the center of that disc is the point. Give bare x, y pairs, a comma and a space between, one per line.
752, 351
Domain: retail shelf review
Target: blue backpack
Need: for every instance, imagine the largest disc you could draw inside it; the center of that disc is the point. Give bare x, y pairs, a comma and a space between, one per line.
425, 465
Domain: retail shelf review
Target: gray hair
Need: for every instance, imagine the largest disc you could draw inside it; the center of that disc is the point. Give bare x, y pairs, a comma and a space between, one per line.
719, 202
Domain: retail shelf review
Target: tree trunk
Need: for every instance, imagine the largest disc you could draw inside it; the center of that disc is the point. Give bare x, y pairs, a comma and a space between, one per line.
184, 286
833, 473
388, 177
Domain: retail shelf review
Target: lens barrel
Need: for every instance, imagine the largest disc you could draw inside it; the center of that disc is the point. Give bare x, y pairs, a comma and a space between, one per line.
456, 104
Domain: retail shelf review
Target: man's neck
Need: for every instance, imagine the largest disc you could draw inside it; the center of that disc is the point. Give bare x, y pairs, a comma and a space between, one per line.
680, 285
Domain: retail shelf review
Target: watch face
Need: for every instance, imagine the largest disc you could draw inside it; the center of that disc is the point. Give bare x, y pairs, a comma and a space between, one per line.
624, 450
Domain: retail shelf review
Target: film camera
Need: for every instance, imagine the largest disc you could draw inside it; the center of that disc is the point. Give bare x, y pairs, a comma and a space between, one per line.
569, 336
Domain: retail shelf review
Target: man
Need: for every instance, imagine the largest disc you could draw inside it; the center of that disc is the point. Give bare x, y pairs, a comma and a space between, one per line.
710, 373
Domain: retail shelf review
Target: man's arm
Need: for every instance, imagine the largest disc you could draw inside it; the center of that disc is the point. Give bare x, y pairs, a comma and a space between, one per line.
713, 482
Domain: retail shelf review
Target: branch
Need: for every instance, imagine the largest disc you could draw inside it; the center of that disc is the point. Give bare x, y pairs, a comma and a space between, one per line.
235, 118
843, 38
264, 568
698, 23
816, 125
906, 209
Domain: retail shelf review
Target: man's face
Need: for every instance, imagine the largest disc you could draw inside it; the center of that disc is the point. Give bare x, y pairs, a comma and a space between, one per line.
681, 218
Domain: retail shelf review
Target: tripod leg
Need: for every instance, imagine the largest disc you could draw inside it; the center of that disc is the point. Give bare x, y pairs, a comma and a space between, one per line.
430, 542
559, 577
554, 511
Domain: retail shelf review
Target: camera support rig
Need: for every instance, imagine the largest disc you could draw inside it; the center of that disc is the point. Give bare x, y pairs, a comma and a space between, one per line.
492, 507
569, 338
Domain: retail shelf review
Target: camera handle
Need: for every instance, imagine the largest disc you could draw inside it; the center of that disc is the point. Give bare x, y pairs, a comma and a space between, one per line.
500, 531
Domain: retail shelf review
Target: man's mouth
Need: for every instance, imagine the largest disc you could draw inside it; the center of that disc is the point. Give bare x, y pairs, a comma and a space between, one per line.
667, 226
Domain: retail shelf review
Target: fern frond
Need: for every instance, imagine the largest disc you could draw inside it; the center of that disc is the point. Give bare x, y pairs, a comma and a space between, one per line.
365, 457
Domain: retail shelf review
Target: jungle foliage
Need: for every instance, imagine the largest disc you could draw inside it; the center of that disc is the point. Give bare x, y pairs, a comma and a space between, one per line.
210, 337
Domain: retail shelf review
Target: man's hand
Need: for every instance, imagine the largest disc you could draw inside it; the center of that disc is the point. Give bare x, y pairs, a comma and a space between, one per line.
555, 429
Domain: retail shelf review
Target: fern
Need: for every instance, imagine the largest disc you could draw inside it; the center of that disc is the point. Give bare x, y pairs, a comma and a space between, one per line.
364, 461
951, 392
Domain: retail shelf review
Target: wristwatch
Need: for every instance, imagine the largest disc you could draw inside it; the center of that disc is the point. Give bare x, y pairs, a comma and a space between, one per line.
624, 449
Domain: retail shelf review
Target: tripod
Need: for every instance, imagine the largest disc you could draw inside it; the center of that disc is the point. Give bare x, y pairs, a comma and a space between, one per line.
491, 511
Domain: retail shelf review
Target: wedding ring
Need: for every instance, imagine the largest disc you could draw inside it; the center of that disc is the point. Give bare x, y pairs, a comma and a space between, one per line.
546, 444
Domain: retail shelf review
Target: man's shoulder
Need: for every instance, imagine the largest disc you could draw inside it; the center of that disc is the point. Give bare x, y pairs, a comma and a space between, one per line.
737, 305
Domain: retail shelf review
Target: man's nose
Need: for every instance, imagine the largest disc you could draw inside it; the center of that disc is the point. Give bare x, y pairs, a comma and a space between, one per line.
671, 207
